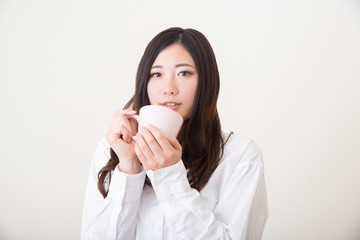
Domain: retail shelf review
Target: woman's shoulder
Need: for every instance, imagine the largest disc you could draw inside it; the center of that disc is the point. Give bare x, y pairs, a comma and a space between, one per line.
242, 148
241, 154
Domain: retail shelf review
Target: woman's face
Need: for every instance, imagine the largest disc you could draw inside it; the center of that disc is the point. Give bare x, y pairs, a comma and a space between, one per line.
173, 80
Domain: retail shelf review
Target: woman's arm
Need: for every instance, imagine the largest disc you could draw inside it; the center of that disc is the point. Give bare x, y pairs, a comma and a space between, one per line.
240, 213
115, 216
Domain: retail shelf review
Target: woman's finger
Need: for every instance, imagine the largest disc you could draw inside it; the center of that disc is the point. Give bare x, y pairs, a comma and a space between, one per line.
120, 116
125, 134
125, 112
140, 155
144, 148
159, 137
134, 126
120, 121
151, 141
118, 132
125, 125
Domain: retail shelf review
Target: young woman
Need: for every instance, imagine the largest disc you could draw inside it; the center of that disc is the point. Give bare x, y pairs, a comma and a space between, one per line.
204, 184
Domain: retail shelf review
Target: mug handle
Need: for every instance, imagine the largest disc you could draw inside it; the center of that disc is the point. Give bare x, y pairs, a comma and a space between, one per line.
136, 117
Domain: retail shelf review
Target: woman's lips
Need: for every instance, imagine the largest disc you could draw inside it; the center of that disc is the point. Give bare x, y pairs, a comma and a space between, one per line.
171, 105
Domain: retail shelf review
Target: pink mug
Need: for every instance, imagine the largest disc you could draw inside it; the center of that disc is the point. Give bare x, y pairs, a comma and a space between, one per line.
167, 121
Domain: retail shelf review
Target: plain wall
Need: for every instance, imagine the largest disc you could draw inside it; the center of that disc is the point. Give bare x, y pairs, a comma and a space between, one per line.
290, 79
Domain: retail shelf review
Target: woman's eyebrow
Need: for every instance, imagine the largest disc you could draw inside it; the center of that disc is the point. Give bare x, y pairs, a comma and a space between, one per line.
177, 65
156, 66
184, 65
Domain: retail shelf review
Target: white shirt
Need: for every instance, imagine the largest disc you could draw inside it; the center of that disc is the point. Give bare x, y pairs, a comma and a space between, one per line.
232, 205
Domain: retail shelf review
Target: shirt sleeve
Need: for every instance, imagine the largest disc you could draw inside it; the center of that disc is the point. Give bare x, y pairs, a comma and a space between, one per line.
240, 213
115, 216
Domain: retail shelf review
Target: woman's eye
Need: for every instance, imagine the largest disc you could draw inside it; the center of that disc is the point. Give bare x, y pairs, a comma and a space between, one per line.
184, 74
155, 75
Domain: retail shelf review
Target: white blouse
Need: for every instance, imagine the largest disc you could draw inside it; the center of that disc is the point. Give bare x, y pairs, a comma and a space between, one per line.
232, 205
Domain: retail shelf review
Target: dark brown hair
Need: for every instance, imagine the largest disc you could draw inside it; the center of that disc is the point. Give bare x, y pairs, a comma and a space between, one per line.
200, 136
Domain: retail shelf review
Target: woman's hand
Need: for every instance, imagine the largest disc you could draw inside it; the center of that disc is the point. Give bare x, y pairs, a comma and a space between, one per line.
119, 137
155, 150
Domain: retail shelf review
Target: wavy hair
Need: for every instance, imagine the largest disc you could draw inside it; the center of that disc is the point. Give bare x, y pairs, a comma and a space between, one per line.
200, 136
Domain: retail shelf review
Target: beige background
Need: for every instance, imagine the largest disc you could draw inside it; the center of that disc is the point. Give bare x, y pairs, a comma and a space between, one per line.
290, 74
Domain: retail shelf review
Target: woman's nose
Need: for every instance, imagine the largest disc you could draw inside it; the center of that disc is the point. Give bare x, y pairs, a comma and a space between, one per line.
170, 87
169, 91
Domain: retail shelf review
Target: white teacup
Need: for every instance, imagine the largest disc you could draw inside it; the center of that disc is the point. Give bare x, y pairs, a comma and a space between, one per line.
167, 121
